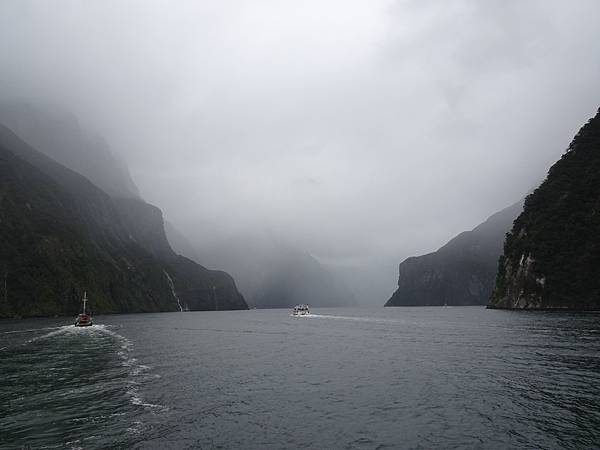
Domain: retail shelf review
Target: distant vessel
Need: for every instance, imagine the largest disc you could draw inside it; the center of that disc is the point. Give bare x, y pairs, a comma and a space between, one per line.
300, 310
84, 319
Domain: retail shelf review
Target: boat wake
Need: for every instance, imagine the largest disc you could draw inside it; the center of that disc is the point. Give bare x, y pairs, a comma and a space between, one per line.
104, 337
85, 378
350, 318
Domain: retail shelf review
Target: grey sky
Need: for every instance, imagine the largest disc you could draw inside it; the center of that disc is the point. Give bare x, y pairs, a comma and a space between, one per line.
357, 129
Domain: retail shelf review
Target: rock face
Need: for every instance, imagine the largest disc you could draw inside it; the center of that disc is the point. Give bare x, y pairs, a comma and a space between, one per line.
196, 287
58, 135
61, 234
462, 272
551, 257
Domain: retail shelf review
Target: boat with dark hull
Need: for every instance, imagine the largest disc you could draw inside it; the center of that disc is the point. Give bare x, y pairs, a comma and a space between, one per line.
84, 319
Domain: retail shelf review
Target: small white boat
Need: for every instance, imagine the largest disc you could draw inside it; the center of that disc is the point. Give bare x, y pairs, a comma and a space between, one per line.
84, 319
300, 310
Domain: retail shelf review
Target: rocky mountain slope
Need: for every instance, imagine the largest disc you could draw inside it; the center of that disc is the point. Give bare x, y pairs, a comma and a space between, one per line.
551, 257
59, 135
61, 234
462, 272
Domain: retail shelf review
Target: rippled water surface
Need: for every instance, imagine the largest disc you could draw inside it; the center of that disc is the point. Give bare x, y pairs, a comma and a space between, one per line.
417, 378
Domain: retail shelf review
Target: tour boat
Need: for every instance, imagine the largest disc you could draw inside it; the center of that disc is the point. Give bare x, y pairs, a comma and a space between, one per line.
84, 319
300, 310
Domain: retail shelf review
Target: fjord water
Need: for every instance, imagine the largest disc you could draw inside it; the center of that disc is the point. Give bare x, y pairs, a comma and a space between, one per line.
462, 377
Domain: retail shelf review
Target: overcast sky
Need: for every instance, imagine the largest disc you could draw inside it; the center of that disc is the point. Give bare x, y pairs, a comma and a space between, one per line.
356, 129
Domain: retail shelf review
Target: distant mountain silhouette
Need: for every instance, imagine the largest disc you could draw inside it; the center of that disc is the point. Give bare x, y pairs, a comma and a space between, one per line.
551, 257
58, 135
273, 274
461, 272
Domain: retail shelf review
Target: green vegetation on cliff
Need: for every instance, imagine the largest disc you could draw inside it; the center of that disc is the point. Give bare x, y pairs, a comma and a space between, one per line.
551, 257
461, 272
60, 235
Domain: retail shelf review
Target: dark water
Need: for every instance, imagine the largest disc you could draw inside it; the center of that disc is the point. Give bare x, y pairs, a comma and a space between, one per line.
419, 378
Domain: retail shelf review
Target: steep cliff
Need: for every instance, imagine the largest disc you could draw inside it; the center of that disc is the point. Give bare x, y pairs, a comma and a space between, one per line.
58, 134
196, 287
551, 257
462, 272
60, 234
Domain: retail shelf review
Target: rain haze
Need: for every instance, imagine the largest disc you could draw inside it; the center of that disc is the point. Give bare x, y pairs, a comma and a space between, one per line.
361, 132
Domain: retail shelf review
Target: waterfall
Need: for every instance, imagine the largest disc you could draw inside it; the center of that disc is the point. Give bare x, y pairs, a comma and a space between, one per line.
173, 290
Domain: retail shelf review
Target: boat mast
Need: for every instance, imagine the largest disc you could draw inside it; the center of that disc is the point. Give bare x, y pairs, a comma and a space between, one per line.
84, 300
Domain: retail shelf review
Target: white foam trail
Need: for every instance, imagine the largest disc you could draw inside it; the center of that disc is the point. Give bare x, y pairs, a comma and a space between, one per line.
173, 290
124, 352
71, 329
138, 401
57, 331
353, 318
136, 428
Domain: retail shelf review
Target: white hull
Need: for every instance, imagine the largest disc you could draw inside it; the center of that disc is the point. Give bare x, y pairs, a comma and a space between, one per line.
300, 310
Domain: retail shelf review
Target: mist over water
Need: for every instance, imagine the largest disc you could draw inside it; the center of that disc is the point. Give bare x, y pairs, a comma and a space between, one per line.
339, 378
302, 150
360, 133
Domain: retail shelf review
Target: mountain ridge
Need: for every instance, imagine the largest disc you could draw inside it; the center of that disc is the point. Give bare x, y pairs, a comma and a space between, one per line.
461, 272
551, 257
61, 235
59, 135
270, 272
